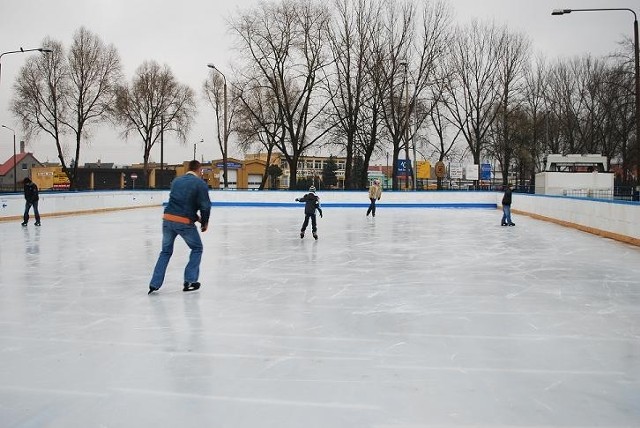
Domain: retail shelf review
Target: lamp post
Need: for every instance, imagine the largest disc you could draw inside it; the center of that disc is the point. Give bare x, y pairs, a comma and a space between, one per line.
43, 50
194, 149
557, 12
225, 135
15, 169
406, 123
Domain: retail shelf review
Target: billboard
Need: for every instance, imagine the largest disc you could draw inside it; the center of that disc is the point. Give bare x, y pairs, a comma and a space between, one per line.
471, 172
423, 170
485, 171
404, 167
455, 170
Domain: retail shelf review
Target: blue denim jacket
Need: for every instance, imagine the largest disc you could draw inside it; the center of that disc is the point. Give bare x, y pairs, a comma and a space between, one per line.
188, 195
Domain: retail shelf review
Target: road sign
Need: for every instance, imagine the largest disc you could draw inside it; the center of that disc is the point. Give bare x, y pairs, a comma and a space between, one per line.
134, 175
441, 170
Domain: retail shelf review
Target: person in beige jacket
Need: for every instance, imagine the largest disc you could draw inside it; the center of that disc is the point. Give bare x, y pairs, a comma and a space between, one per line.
375, 192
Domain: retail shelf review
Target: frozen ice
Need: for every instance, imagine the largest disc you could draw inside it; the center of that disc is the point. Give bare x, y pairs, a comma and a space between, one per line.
414, 318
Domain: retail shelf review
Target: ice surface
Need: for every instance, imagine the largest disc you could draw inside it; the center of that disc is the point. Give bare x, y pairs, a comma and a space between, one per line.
417, 318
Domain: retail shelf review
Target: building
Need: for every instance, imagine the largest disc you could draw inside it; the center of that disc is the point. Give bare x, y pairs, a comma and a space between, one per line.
575, 175
241, 174
309, 167
16, 169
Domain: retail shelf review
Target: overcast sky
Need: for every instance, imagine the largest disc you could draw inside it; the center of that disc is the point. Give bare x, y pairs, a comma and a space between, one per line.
188, 34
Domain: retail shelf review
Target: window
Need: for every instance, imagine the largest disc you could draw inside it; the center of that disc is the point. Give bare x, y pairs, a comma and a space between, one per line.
318, 164
24, 167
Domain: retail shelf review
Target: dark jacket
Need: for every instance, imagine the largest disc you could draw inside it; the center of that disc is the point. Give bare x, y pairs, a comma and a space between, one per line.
31, 192
311, 203
506, 199
189, 194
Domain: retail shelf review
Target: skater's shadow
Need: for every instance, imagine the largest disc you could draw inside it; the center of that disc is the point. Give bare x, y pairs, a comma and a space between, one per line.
32, 241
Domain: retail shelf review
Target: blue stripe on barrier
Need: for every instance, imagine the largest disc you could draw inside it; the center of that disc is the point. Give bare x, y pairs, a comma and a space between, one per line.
356, 205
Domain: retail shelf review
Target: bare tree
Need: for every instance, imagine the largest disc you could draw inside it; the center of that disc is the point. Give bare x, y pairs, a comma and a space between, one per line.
390, 55
440, 123
412, 44
259, 120
350, 40
155, 103
283, 43
94, 74
40, 88
536, 107
473, 85
512, 63
57, 94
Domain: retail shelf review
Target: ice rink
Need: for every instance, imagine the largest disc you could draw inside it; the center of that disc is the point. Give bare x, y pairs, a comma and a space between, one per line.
417, 318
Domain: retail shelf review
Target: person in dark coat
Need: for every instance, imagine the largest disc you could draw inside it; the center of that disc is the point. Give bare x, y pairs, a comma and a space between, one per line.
31, 196
506, 207
311, 204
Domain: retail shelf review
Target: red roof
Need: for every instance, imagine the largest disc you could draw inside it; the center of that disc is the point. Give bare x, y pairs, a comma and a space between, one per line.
8, 165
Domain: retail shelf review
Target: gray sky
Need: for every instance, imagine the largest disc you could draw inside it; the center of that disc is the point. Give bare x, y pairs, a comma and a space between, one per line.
188, 34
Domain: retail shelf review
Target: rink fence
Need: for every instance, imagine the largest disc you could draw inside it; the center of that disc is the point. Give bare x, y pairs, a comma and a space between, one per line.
618, 220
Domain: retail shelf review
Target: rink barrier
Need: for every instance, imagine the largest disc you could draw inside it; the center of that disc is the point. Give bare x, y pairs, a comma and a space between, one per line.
57, 204
619, 220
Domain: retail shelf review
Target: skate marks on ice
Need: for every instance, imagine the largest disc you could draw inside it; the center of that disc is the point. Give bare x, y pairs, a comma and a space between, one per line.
415, 318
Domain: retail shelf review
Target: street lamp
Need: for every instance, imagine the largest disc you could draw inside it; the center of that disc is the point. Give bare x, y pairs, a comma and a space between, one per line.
557, 12
15, 169
226, 134
406, 123
194, 149
43, 50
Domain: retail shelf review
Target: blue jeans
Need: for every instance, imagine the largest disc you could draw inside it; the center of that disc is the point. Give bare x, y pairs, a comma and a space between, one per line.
27, 207
188, 232
506, 214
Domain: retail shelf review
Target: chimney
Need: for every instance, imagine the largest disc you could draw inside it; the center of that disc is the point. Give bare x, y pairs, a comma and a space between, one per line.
21, 147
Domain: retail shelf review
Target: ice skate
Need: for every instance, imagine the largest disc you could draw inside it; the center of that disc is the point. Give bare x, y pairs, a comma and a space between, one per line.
24, 223
315, 236
301, 235
152, 289
190, 286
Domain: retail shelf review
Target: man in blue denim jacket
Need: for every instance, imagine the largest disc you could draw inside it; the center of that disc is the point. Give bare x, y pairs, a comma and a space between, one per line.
189, 194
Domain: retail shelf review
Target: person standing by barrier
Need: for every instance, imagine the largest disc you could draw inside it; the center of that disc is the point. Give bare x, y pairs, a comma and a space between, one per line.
189, 194
375, 192
31, 196
506, 207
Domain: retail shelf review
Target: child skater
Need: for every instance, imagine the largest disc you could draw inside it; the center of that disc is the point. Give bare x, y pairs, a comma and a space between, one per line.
311, 204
